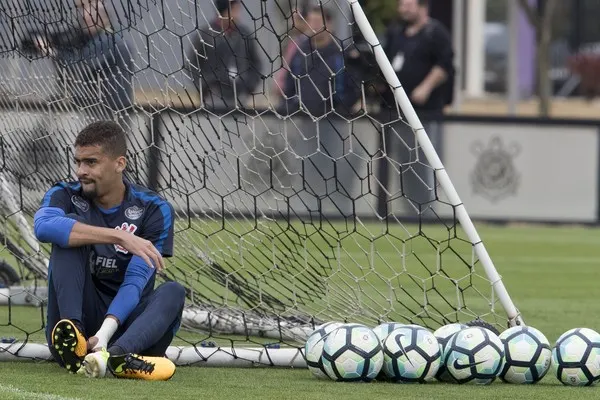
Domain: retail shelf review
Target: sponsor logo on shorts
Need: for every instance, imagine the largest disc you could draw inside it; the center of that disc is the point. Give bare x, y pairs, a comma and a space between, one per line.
134, 212
80, 203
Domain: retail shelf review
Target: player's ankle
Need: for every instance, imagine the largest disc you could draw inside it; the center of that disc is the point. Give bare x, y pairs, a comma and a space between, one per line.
116, 350
78, 325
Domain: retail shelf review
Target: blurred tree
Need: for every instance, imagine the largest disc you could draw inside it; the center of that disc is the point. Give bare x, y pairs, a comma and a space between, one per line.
380, 13
541, 20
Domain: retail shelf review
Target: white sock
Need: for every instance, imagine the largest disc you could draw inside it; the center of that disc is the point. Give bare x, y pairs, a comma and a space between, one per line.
106, 331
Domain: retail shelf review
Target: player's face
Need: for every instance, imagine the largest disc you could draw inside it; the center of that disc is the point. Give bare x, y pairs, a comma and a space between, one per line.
236, 10
300, 23
314, 20
409, 10
97, 171
93, 15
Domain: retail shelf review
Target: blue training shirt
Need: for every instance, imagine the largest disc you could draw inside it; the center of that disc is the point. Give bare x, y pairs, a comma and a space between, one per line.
115, 272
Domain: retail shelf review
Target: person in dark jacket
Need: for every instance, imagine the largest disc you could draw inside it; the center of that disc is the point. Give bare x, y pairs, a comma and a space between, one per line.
420, 51
223, 59
94, 62
317, 80
317, 87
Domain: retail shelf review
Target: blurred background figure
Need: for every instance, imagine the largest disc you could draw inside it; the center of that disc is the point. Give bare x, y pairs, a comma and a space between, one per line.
420, 51
317, 85
94, 62
317, 73
224, 60
299, 33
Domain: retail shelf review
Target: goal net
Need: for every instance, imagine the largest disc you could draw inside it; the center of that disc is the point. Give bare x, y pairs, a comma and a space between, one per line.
305, 187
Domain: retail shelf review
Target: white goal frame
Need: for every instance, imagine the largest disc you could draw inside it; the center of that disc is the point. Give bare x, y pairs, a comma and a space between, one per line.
514, 317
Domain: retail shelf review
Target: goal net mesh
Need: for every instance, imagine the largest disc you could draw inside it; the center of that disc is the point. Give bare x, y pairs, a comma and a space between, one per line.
301, 195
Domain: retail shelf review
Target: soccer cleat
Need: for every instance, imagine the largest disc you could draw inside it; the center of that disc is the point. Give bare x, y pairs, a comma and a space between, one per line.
133, 366
94, 364
70, 344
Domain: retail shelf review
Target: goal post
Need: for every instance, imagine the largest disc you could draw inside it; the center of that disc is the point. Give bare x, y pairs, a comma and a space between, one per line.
514, 317
272, 170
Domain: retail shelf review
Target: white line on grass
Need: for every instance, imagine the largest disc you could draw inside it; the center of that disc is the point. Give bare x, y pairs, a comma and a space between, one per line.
24, 394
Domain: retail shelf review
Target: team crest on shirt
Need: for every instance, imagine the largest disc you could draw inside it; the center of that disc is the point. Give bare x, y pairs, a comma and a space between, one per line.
131, 228
80, 203
134, 212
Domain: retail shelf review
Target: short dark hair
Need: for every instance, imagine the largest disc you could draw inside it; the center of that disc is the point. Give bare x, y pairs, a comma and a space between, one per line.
223, 5
107, 134
326, 12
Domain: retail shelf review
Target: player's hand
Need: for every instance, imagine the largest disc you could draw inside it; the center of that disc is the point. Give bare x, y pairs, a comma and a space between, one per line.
420, 95
142, 248
92, 344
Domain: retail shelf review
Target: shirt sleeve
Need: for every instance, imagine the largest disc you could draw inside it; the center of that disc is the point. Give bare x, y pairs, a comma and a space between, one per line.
137, 276
340, 83
50, 223
442, 52
57, 196
158, 227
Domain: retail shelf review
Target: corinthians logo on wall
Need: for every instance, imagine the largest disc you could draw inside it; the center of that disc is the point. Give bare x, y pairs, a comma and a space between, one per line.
495, 176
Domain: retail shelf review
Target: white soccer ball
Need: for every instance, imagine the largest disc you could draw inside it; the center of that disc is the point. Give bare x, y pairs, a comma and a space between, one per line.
576, 357
352, 353
384, 329
527, 355
443, 335
411, 355
474, 355
313, 348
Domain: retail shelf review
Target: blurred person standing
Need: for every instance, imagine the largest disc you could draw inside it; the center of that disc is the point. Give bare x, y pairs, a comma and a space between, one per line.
420, 51
317, 78
94, 61
297, 35
317, 86
223, 58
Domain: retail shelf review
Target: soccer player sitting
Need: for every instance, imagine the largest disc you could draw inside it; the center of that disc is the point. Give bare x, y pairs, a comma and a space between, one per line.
108, 238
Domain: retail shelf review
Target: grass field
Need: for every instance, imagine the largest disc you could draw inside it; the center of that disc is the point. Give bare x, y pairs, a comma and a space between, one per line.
550, 272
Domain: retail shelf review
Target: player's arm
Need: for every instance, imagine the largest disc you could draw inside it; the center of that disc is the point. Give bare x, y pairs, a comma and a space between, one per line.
442, 59
159, 230
442, 54
53, 225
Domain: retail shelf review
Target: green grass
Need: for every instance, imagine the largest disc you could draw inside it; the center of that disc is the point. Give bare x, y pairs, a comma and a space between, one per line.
550, 272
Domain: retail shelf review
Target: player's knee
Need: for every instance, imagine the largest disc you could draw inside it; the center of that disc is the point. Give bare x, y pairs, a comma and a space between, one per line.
175, 292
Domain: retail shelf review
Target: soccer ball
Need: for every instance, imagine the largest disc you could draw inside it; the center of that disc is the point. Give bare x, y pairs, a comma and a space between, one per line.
527, 355
411, 354
313, 348
443, 335
576, 357
352, 353
475, 355
383, 330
